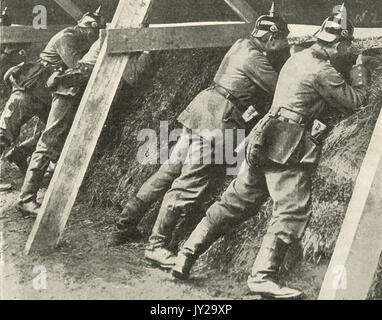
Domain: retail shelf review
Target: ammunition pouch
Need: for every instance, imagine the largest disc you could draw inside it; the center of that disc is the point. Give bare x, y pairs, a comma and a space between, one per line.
282, 138
9, 76
70, 81
359, 76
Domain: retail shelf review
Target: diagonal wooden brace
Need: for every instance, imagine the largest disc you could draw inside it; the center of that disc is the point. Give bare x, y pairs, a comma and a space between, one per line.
83, 137
356, 255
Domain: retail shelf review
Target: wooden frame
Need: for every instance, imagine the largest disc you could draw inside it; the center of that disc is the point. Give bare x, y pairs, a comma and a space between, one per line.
176, 37
359, 245
83, 137
70, 8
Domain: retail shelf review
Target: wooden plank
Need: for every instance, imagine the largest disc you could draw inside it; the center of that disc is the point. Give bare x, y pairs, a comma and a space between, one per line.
358, 248
243, 10
83, 136
27, 34
70, 8
176, 37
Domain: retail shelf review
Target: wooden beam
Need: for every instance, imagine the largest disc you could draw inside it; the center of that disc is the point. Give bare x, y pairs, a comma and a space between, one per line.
70, 8
243, 10
176, 37
358, 248
27, 34
83, 136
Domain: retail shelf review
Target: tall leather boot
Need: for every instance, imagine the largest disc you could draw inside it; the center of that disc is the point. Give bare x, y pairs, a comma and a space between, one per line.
199, 241
17, 156
126, 225
32, 183
265, 272
157, 251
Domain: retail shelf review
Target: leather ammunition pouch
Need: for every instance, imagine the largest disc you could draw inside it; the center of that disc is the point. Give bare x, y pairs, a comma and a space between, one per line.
283, 138
235, 114
70, 81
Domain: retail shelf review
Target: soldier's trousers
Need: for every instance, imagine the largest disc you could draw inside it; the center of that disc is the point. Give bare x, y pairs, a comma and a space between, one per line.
50, 144
187, 189
289, 188
19, 109
157, 185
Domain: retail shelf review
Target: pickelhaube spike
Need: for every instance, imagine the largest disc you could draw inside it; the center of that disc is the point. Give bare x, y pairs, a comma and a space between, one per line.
98, 11
272, 11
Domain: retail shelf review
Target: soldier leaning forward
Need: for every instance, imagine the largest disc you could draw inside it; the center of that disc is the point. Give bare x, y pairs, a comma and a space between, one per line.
245, 78
10, 53
30, 96
68, 89
281, 157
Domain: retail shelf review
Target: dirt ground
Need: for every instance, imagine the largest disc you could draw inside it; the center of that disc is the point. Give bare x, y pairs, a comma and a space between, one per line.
83, 267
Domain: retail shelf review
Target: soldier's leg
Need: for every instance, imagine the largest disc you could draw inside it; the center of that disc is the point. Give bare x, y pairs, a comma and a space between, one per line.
185, 191
152, 190
290, 191
20, 108
48, 149
239, 202
19, 154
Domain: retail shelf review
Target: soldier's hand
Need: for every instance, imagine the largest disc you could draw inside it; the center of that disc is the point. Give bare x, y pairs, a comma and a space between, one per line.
360, 59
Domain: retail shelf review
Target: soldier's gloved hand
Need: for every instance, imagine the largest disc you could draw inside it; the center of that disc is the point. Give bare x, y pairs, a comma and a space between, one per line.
254, 154
359, 74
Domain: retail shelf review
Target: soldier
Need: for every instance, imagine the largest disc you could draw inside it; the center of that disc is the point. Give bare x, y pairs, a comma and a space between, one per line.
30, 96
68, 89
10, 54
246, 80
281, 157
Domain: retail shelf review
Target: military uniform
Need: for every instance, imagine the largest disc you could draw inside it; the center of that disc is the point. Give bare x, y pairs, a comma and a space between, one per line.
69, 88
248, 76
281, 158
30, 97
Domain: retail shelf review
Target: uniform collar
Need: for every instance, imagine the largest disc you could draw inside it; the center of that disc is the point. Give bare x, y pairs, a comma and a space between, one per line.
258, 45
319, 52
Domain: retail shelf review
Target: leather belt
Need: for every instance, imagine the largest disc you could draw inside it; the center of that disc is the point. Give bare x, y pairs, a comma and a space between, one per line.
228, 95
51, 66
288, 115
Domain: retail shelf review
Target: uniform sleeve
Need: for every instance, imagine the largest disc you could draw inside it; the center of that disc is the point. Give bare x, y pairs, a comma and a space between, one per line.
91, 56
339, 94
138, 68
69, 51
261, 72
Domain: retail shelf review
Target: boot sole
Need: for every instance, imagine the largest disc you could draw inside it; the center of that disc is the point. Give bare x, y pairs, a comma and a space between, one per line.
267, 295
160, 265
25, 212
5, 187
179, 275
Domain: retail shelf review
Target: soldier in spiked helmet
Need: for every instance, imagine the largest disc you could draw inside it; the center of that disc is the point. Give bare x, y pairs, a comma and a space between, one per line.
281, 157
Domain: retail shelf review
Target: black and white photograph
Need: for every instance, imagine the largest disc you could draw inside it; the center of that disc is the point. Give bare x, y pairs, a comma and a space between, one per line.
190, 150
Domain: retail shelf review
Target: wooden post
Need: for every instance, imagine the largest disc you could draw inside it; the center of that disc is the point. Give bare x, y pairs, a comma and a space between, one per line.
243, 10
70, 8
83, 137
359, 245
